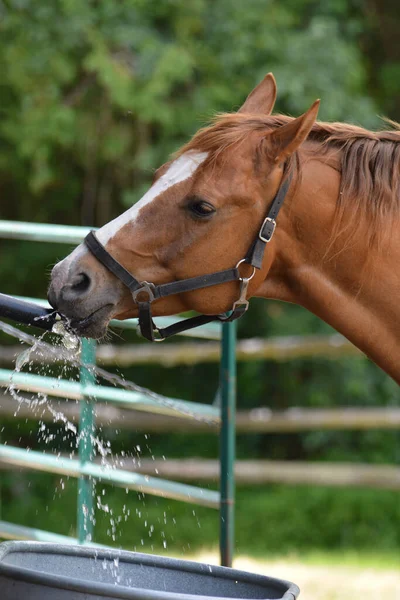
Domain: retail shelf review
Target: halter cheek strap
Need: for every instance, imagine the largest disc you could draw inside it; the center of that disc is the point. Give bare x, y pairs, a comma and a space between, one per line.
256, 252
144, 293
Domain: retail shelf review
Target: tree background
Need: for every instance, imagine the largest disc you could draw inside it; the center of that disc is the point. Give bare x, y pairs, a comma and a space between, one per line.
94, 96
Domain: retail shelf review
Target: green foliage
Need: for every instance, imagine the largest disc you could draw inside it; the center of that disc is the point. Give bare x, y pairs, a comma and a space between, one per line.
271, 520
95, 95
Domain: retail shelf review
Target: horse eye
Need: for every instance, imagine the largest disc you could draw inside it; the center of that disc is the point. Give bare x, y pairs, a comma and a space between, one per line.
201, 208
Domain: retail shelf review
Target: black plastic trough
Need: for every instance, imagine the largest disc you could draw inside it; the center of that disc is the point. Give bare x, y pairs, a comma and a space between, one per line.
26, 313
39, 571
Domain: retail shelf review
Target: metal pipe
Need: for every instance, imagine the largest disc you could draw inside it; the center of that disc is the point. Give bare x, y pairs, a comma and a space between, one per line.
61, 388
86, 451
10, 531
145, 484
43, 232
26, 313
227, 443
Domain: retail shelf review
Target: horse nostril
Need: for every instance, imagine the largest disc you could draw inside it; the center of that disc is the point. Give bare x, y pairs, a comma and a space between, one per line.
80, 283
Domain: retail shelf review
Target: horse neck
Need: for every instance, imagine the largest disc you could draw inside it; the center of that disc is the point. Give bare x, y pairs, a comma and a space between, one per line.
351, 286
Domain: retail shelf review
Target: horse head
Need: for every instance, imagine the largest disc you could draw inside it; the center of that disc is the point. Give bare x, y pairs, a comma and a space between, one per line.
201, 215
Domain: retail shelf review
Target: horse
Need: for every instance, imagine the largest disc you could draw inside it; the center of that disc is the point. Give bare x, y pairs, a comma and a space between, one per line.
334, 249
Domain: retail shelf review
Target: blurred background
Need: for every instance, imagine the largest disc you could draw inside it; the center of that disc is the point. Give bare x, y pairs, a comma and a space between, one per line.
94, 96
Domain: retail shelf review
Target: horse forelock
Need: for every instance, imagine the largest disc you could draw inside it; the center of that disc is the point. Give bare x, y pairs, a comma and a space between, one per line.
368, 163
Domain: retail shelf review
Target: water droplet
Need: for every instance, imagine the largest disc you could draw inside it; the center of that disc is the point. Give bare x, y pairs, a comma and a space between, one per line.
23, 358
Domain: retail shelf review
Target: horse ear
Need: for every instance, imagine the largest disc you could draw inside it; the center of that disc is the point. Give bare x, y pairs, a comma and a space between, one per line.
284, 140
262, 99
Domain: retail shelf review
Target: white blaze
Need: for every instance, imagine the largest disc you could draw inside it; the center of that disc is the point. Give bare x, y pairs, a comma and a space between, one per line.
182, 168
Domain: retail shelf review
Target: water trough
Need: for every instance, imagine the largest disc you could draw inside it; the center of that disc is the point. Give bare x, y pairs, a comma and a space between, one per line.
38, 571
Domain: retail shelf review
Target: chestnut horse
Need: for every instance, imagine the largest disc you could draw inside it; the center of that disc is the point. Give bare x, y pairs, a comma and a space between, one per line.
335, 251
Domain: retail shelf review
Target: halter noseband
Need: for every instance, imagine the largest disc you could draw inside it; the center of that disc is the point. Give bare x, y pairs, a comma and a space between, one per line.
144, 293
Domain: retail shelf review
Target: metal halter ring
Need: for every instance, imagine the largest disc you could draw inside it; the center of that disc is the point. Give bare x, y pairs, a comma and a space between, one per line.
158, 339
156, 331
246, 278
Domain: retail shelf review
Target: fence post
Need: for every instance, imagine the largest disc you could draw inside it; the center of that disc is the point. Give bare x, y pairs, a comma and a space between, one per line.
86, 432
227, 442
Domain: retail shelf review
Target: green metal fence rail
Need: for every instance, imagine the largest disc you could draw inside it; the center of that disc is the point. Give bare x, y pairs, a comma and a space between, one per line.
88, 392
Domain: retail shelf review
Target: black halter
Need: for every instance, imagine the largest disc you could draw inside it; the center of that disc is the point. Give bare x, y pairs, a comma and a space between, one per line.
144, 293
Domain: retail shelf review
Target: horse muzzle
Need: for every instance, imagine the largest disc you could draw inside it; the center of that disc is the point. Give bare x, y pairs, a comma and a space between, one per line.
84, 296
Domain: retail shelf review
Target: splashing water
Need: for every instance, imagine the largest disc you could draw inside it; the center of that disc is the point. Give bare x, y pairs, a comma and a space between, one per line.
71, 356
70, 340
70, 352
25, 357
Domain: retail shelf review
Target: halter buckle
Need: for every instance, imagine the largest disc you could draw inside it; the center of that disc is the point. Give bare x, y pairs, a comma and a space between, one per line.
270, 225
146, 288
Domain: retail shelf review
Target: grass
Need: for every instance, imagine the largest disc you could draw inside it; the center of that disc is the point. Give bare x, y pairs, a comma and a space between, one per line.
380, 560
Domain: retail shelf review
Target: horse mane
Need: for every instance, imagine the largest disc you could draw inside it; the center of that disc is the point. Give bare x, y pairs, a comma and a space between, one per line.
368, 162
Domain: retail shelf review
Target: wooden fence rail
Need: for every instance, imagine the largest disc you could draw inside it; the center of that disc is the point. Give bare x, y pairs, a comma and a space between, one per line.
278, 349
259, 420
261, 472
